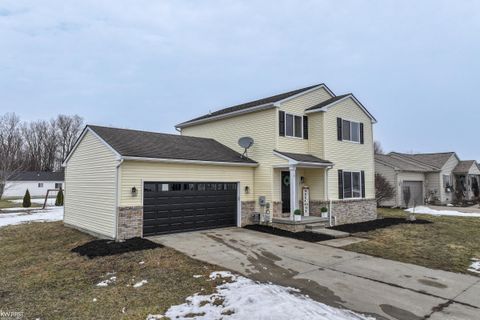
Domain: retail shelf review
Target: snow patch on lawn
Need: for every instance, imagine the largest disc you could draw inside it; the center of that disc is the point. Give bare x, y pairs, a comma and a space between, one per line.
427, 210
475, 266
48, 214
140, 283
246, 299
106, 282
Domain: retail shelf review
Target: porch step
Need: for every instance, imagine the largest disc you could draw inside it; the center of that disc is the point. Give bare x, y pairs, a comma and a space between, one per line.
316, 225
329, 232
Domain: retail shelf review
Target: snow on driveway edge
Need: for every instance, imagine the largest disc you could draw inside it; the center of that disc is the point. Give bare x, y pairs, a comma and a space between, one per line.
243, 298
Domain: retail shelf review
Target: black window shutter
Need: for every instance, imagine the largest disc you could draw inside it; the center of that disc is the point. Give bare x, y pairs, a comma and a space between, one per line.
361, 133
305, 127
339, 129
281, 123
340, 184
363, 183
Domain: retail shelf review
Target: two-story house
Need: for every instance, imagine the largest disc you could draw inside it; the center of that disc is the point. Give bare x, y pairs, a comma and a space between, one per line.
311, 149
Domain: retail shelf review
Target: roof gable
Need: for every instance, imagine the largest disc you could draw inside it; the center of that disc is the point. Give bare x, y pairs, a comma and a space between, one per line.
264, 103
326, 105
467, 167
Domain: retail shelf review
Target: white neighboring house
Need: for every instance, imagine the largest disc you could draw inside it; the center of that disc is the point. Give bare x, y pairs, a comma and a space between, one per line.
37, 183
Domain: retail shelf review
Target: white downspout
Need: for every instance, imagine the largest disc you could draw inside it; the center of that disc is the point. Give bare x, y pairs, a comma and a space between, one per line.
117, 195
327, 197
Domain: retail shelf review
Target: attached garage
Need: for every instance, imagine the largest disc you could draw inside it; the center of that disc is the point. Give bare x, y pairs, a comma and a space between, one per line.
170, 207
415, 191
124, 183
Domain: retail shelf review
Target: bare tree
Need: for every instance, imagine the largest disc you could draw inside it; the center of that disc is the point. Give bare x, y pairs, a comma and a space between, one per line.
69, 128
383, 189
377, 148
10, 148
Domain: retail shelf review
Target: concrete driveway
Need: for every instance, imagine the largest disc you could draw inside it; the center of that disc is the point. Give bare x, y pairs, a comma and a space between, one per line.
378, 287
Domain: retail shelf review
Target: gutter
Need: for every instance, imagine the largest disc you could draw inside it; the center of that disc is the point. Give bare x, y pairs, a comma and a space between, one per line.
181, 161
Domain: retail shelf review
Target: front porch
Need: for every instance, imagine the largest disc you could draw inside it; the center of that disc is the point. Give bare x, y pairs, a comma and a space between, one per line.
300, 184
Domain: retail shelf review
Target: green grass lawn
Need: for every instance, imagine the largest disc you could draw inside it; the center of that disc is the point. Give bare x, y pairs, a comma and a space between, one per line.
43, 279
448, 243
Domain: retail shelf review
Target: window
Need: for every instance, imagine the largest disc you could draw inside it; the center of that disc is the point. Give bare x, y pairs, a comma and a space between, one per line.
351, 131
352, 185
289, 125
40, 185
298, 126
293, 126
58, 185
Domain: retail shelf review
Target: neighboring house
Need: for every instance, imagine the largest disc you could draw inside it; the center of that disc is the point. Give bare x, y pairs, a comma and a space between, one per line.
37, 183
125, 183
431, 177
467, 176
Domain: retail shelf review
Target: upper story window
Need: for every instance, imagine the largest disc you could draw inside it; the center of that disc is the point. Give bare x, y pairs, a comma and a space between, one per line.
291, 125
350, 131
58, 185
40, 185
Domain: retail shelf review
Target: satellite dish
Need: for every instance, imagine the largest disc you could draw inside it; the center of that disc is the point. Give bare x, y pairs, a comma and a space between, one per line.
246, 143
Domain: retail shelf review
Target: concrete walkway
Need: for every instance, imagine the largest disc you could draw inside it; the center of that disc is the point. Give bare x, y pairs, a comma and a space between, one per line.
381, 288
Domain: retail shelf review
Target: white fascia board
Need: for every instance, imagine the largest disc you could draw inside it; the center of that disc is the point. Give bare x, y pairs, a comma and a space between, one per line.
181, 161
350, 96
82, 135
226, 115
278, 103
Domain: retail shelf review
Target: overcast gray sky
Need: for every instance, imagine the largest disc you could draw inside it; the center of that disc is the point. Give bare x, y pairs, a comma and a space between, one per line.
148, 64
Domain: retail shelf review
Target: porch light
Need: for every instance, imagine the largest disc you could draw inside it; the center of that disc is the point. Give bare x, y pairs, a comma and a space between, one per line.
134, 191
247, 190
302, 180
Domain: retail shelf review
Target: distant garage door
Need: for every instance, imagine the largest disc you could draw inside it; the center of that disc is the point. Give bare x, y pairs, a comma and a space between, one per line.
416, 192
170, 207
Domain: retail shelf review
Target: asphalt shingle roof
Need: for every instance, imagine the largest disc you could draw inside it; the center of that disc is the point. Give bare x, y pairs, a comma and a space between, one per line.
327, 102
37, 176
401, 164
464, 166
302, 157
437, 160
134, 143
251, 104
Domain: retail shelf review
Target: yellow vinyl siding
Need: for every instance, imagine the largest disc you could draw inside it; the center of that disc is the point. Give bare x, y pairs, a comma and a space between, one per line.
297, 106
133, 173
90, 187
258, 125
347, 155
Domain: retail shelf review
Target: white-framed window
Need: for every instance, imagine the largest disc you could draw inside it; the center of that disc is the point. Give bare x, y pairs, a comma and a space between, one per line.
293, 126
58, 185
40, 184
352, 184
351, 131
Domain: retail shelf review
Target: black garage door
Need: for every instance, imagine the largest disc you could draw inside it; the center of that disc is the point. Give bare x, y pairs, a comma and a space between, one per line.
170, 207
